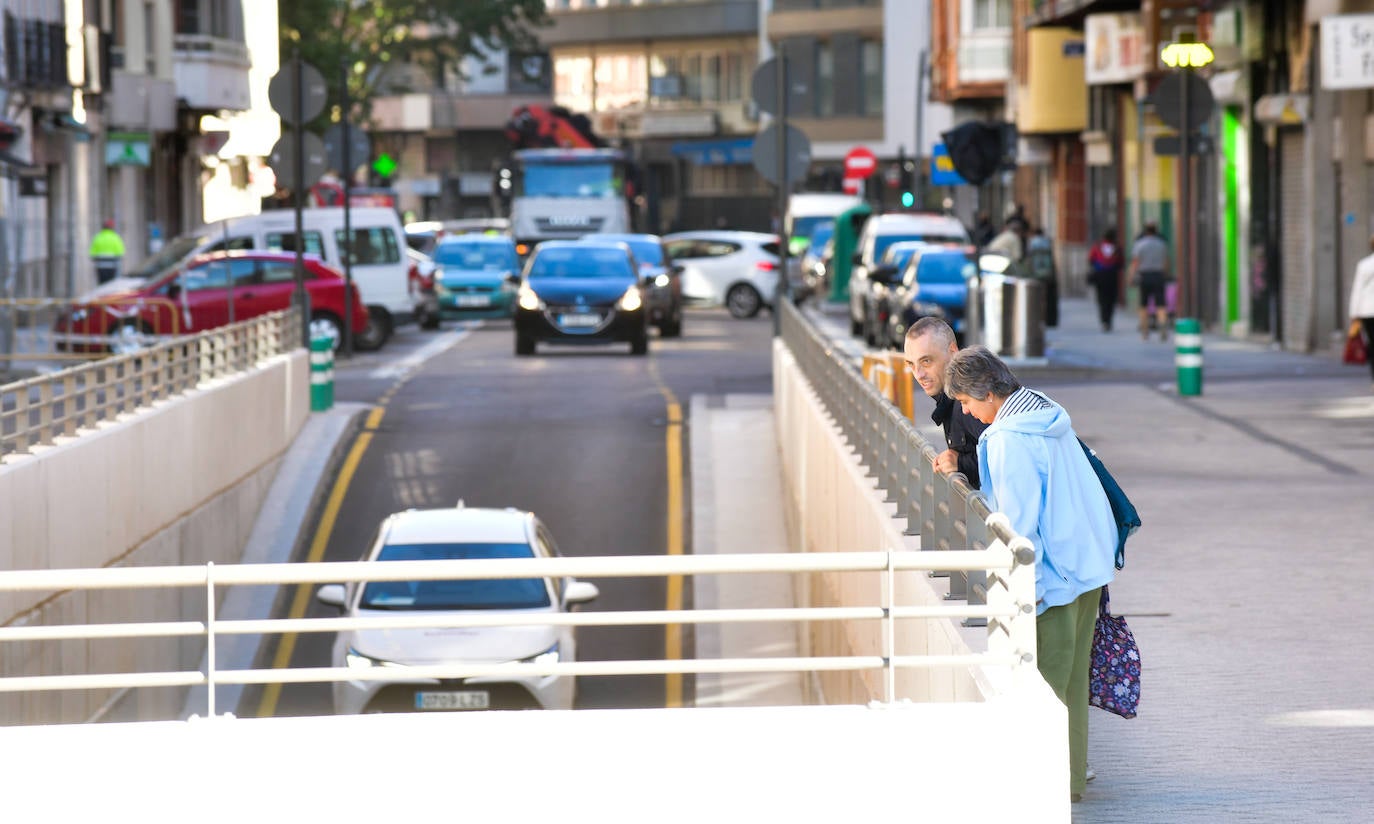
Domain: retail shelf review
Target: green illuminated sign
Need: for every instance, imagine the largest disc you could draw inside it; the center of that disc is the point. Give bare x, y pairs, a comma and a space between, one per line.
384, 165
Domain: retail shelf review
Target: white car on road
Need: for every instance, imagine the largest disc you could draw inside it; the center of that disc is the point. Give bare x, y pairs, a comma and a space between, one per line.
440, 534
736, 269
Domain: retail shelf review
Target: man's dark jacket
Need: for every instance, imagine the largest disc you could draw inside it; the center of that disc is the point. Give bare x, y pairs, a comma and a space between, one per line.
961, 434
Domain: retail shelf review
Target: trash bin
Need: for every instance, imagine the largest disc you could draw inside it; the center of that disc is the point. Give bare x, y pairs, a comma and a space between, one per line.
1007, 315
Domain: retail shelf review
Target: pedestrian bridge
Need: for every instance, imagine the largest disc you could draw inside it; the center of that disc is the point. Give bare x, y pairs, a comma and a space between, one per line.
921, 695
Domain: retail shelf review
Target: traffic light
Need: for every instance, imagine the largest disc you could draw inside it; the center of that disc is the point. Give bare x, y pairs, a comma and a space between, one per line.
908, 182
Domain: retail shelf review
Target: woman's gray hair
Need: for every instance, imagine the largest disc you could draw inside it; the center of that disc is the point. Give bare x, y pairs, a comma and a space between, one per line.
977, 373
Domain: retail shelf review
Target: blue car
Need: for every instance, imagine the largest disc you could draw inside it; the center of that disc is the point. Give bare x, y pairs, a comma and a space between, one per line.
476, 277
664, 293
933, 283
582, 292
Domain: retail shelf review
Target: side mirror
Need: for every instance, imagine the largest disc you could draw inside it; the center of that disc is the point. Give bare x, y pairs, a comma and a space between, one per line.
887, 273
858, 258
579, 592
174, 290
331, 595
513, 278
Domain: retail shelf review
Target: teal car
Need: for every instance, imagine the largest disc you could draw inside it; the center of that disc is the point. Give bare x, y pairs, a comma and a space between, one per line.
477, 276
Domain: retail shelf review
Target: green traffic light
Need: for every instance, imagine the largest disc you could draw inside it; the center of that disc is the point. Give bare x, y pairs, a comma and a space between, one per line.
908, 200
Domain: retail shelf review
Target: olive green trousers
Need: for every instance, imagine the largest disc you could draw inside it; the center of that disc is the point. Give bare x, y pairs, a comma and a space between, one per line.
1064, 641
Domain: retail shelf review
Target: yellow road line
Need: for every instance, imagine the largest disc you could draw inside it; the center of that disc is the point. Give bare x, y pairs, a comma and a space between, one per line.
271, 693
672, 640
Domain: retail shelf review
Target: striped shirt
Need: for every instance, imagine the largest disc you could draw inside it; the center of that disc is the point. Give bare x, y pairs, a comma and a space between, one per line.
1022, 400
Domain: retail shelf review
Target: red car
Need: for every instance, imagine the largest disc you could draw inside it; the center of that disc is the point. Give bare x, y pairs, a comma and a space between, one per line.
124, 314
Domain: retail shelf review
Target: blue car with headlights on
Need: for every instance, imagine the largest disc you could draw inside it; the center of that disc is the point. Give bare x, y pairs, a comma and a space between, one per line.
581, 292
934, 282
662, 279
475, 276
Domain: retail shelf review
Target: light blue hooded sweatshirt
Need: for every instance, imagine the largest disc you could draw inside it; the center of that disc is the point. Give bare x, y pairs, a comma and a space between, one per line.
1035, 472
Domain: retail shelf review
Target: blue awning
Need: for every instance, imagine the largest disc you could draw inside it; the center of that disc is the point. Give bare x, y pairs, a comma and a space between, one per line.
733, 152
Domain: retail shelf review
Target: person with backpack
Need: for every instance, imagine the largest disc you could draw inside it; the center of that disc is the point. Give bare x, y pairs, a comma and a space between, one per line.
1104, 273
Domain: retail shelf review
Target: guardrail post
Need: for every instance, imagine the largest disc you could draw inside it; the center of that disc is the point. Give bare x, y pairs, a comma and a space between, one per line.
321, 374
210, 639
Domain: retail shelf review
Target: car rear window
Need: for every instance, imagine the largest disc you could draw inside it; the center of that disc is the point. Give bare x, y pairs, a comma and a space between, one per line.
286, 242
518, 593
770, 248
580, 262
484, 257
372, 246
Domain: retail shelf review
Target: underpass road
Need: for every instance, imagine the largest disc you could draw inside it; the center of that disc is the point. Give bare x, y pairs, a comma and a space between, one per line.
580, 436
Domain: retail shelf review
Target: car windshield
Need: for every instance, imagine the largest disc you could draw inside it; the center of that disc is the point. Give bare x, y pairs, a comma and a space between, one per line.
581, 262
488, 257
518, 593
595, 179
822, 234
176, 250
645, 251
898, 255
945, 268
881, 242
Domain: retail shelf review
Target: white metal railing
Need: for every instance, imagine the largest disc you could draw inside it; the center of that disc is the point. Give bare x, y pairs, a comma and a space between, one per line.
1010, 613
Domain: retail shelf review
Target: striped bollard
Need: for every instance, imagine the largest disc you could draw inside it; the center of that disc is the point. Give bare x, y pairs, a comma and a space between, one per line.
1188, 355
321, 374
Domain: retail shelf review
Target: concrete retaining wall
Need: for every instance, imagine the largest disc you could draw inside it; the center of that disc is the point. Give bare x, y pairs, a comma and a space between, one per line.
179, 482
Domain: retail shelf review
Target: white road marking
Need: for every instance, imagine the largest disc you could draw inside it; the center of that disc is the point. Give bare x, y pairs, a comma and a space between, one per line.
415, 359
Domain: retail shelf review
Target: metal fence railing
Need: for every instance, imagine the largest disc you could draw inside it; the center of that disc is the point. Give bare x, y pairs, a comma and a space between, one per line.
37, 410
1010, 643
943, 509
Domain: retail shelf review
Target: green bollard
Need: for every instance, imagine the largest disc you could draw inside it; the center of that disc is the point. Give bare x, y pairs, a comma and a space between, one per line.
321, 374
1188, 355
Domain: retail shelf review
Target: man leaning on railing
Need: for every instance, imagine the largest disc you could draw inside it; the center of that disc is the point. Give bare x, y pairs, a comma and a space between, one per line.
1035, 471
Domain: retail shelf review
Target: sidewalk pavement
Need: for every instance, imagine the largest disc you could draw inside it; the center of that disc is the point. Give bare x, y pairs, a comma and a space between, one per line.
1245, 588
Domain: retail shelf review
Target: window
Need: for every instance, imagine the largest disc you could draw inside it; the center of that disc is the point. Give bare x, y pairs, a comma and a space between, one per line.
987, 14
275, 271
370, 246
734, 77
825, 80
691, 72
711, 78
286, 242
515, 593
233, 244
871, 69
572, 82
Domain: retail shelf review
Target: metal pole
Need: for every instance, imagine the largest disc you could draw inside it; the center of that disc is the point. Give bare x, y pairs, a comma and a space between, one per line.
347, 170
783, 188
919, 184
298, 296
1185, 258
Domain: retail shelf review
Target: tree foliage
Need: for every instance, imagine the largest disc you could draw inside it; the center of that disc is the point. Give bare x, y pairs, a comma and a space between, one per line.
369, 36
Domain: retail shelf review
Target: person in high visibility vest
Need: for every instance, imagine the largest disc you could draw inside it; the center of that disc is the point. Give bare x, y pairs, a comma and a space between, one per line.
107, 250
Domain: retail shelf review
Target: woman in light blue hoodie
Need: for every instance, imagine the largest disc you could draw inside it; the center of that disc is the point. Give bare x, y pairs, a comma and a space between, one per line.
1034, 470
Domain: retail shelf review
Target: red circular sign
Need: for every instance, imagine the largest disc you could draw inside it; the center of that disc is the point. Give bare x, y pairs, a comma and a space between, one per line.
859, 163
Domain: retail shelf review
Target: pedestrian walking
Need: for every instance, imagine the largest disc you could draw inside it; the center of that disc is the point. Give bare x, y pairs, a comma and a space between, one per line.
929, 344
1362, 302
1150, 272
1035, 472
1104, 272
1010, 242
107, 251
1040, 265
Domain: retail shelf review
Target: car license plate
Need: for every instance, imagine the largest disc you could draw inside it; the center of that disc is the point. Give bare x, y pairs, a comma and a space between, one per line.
579, 320
472, 300
462, 700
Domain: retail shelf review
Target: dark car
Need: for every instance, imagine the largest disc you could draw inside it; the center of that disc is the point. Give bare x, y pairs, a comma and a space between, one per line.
662, 277
581, 292
934, 283
206, 292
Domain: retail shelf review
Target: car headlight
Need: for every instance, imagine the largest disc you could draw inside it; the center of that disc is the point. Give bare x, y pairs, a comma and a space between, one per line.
528, 300
662, 280
631, 301
548, 656
356, 660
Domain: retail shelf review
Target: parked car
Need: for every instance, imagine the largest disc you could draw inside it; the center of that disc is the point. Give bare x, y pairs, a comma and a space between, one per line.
581, 291
660, 273
452, 534
736, 269
812, 267
476, 276
880, 232
933, 283
379, 268
129, 313
421, 284
808, 210
424, 235
879, 281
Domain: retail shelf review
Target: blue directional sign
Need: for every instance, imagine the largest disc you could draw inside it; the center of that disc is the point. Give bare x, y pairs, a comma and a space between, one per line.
942, 168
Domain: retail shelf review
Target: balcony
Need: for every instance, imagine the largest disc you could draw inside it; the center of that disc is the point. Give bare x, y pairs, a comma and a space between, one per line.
141, 103
444, 111
211, 72
984, 57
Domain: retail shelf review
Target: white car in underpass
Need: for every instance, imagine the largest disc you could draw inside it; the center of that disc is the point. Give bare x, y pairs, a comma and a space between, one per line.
456, 533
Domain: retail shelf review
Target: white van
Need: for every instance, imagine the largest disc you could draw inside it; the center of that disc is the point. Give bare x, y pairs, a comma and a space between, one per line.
806, 209
380, 266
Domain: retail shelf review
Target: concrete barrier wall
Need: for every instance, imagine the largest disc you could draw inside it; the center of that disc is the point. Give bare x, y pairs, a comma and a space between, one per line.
836, 507
178, 482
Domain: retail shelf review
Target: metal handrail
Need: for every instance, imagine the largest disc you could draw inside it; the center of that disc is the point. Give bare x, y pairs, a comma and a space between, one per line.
36, 411
1008, 638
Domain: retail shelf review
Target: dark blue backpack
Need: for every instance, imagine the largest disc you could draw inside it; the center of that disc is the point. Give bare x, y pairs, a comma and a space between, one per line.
1123, 511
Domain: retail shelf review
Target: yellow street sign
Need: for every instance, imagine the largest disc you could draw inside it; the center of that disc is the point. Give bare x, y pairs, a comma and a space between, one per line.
1186, 55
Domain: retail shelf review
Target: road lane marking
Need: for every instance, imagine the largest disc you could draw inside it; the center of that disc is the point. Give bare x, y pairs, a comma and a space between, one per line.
271, 693
672, 637
419, 356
